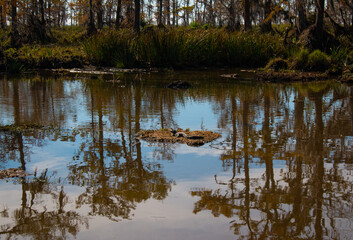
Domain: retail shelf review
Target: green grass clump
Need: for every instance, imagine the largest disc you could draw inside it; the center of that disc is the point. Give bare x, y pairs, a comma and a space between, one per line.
161, 48
182, 47
318, 61
111, 48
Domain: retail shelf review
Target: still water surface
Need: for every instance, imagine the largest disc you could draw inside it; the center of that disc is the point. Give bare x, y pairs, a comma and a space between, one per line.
283, 168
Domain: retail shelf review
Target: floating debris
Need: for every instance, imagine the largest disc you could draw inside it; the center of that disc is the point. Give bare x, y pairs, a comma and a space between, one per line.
234, 75
12, 172
191, 138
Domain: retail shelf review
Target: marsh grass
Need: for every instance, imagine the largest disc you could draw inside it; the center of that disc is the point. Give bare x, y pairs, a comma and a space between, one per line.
180, 48
111, 48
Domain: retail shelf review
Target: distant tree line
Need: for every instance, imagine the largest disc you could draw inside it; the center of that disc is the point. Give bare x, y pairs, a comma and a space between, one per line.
33, 18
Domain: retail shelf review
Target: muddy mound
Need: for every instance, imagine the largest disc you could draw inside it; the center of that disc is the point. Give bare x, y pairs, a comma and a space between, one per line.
191, 138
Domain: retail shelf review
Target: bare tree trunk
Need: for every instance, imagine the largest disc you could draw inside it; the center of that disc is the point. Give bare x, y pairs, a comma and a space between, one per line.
319, 23
231, 12
160, 9
42, 25
14, 31
42, 14
266, 25
91, 28
302, 23
174, 11
167, 17
187, 2
137, 16
247, 19
99, 14
49, 14
212, 18
2, 22
118, 12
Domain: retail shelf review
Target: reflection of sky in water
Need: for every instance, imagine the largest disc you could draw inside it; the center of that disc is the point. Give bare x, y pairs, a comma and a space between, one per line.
189, 168
196, 115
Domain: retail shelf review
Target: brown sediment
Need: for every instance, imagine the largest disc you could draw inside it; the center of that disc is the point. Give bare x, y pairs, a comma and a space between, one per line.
12, 172
191, 138
290, 76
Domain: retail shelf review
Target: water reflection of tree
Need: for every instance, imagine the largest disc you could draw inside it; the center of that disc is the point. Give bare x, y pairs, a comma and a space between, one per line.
263, 127
307, 195
34, 217
113, 171
37, 218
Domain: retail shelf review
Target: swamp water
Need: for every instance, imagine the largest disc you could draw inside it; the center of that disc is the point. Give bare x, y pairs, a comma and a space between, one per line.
282, 169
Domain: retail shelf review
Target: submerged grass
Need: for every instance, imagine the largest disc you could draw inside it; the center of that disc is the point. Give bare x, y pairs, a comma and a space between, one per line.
179, 48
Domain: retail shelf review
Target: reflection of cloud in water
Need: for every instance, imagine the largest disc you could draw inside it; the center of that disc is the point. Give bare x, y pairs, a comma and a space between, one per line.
54, 163
171, 218
54, 156
200, 151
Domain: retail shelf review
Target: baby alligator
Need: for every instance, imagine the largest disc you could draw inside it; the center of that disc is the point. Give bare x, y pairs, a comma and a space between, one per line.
184, 135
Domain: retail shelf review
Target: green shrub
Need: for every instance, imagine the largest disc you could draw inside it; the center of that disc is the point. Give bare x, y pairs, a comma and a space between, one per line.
318, 61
